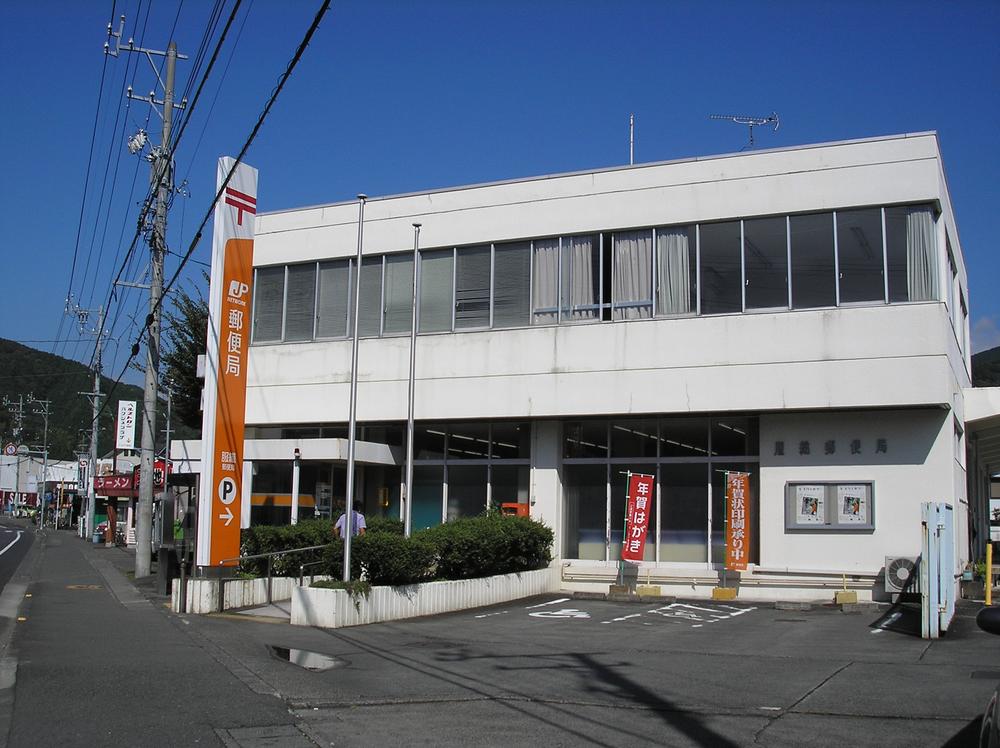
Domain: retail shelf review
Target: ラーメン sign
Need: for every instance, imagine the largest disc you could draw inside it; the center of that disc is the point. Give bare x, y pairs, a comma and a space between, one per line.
224, 413
737, 521
639, 507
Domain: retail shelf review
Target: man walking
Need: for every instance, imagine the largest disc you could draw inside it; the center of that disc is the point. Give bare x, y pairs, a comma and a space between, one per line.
357, 522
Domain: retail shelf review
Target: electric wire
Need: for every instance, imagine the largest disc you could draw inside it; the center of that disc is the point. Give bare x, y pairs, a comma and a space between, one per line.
86, 183
283, 79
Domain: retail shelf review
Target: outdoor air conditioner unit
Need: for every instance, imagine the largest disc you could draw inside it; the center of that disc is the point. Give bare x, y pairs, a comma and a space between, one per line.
902, 574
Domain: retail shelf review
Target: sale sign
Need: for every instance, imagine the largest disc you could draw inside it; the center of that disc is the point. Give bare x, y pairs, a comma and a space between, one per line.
737, 521
638, 509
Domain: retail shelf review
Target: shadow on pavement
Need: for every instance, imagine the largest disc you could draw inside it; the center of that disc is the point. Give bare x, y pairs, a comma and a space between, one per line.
902, 618
967, 736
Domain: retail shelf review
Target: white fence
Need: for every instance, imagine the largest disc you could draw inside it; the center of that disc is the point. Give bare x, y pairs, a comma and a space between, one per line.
327, 608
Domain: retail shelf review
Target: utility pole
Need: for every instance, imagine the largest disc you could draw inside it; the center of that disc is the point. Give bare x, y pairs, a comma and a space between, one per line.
161, 162
43, 409
18, 414
83, 315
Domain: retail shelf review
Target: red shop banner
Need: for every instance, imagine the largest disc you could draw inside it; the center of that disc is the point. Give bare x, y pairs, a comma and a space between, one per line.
737, 521
639, 507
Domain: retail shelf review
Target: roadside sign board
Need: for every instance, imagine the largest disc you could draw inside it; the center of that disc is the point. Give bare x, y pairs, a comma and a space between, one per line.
10, 449
639, 507
125, 427
223, 424
737, 521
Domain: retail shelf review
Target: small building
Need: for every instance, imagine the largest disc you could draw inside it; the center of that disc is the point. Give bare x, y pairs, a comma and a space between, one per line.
800, 314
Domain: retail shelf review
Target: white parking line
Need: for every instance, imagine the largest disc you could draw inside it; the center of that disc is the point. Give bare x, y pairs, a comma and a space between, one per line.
623, 618
550, 602
487, 615
7, 547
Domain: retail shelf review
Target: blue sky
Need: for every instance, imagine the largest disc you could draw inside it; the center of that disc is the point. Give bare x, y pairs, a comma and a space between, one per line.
402, 96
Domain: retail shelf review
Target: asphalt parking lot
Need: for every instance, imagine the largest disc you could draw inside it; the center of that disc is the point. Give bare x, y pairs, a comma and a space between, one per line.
564, 671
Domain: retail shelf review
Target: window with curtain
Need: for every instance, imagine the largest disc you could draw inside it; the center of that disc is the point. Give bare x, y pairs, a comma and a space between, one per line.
370, 303
911, 248
765, 248
334, 285
859, 253
300, 302
397, 301
545, 282
676, 270
581, 278
269, 297
721, 273
436, 277
472, 287
814, 276
632, 288
511, 280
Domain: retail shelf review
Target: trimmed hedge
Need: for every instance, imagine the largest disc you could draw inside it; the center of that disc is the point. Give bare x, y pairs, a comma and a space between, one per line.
461, 549
269, 538
490, 544
384, 524
387, 558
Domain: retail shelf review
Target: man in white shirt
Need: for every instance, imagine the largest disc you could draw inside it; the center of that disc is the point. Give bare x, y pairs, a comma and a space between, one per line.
357, 522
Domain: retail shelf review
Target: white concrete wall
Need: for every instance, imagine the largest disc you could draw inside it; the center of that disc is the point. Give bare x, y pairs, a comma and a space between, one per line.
853, 357
327, 608
820, 177
546, 485
918, 466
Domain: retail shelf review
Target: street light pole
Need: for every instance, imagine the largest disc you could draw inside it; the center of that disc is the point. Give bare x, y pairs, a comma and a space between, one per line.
42, 410
349, 498
408, 500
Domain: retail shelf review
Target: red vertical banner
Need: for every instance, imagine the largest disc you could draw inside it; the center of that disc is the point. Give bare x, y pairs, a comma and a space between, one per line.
639, 507
737, 521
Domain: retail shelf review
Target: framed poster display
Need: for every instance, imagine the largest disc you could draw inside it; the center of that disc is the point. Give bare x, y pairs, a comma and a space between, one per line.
852, 504
830, 506
810, 504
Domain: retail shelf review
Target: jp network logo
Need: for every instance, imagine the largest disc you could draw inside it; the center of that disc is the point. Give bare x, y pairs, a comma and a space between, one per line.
238, 289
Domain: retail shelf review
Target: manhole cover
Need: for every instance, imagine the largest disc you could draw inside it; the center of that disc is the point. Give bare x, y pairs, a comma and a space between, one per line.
83, 586
314, 661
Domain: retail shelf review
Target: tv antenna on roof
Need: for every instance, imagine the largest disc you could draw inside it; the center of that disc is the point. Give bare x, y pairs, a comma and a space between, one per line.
744, 119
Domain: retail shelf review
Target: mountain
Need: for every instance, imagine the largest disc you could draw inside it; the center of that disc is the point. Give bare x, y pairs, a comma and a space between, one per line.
986, 368
26, 371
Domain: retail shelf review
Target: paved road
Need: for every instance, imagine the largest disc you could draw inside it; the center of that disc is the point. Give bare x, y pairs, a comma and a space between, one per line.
15, 539
99, 663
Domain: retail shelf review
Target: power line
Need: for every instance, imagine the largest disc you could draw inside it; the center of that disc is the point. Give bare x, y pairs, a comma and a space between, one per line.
86, 178
208, 213
176, 141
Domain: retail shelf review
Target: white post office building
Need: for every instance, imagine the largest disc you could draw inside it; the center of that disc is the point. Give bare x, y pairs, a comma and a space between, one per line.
801, 314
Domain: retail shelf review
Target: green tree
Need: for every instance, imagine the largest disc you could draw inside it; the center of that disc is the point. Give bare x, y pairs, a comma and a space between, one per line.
186, 339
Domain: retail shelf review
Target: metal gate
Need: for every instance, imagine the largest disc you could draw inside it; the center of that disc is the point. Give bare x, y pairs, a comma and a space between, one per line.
938, 579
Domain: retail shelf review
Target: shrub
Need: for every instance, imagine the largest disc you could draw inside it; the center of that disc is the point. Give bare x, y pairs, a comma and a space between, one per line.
384, 524
387, 558
489, 544
270, 538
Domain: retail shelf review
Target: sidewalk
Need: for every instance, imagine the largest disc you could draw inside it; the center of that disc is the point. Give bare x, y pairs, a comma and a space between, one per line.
100, 663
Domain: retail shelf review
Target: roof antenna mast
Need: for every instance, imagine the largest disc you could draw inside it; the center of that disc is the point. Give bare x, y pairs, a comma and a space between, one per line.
744, 119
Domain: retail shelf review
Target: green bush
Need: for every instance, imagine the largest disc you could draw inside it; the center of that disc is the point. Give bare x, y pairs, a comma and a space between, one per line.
270, 538
489, 544
384, 524
390, 559
462, 549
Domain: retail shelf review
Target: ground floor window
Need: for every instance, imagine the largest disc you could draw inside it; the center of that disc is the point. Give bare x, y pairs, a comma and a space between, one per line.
688, 457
